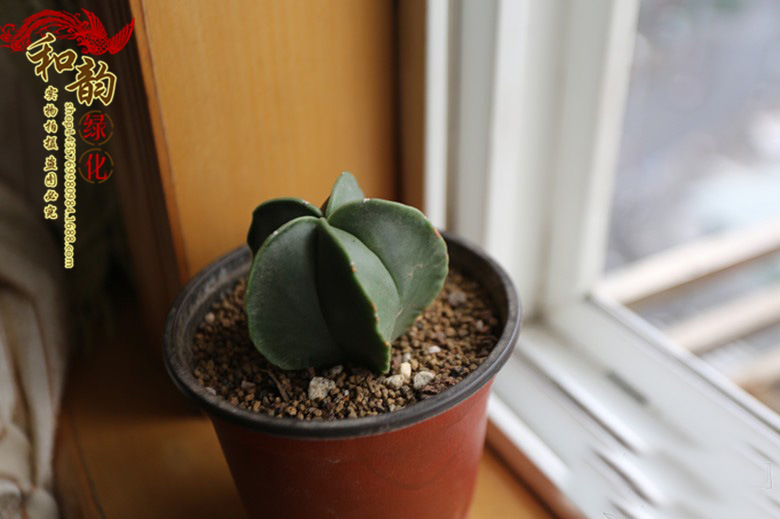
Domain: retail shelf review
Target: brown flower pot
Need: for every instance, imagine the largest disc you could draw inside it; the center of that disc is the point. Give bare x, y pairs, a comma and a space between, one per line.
420, 461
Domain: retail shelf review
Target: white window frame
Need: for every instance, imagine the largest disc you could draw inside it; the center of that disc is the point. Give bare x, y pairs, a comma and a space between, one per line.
524, 109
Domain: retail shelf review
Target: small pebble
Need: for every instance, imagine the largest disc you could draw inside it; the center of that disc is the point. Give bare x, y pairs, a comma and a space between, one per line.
422, 379
210, 317
319, 387
335, 370
456, 298
396, 381
406, 370
211, 391
407, 357
434, 349
245, 384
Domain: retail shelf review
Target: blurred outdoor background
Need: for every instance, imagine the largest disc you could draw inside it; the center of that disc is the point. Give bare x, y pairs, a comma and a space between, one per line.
698, 179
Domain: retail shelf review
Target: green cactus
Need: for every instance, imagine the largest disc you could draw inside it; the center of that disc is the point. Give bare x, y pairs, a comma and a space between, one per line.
339, 283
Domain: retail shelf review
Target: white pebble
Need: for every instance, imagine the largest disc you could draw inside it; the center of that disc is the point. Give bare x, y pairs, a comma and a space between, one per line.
407, 357
406, 370
456, 298
245, 384
480, 326
210, 317
211, 391
434, 349
319, 387
422, 379
396, 381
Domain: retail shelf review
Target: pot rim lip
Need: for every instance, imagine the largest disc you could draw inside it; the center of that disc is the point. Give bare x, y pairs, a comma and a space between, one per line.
216, 406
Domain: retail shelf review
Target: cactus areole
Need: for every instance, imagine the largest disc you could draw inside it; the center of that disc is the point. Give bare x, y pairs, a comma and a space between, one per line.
341, 283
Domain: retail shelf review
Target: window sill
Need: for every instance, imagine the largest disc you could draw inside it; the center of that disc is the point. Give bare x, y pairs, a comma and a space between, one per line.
626, 425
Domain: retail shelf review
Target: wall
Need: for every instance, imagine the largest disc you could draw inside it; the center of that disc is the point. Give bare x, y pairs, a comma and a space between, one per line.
251, 100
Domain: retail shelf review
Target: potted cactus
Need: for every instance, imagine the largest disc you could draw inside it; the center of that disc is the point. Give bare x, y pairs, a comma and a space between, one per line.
345, 358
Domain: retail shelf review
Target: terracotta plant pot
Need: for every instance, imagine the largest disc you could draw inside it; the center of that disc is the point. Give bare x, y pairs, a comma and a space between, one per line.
420, 461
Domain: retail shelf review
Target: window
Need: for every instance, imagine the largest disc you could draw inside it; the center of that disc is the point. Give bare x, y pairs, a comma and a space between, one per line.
527, 149
694, 244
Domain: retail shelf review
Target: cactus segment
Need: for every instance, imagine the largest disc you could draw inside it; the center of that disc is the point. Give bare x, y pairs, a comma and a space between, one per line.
285, 319
345, 190
359, 306
409, 247
271, 215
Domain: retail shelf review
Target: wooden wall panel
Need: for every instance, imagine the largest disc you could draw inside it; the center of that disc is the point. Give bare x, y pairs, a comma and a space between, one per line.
256, 99
411, 71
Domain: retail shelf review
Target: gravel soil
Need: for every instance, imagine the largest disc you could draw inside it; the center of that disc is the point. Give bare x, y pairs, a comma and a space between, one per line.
447, 342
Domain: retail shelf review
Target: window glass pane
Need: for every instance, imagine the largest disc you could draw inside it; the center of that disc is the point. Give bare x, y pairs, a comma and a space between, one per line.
700, 158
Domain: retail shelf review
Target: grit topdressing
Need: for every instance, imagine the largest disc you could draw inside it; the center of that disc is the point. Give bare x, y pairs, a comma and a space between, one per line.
446, 343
